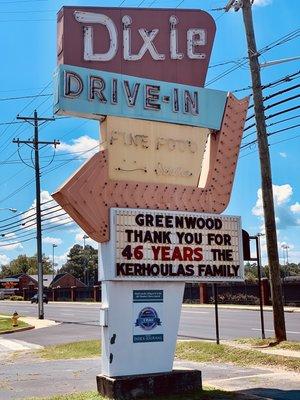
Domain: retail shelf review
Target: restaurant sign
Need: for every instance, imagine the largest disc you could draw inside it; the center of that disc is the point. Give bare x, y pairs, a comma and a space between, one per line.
168, 245
171, 45
93, 94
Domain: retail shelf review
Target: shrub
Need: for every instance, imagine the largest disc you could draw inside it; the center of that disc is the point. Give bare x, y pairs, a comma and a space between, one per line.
240, 298
16, 298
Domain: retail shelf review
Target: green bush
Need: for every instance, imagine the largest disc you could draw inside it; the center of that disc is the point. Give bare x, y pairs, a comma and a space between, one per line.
240, 298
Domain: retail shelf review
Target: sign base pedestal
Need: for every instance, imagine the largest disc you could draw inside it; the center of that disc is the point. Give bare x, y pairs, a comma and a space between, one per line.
179, 381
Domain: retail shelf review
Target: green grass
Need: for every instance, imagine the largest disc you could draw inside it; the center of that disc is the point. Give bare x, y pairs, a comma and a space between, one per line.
83, 349
206, 394
271, 342
5, 324
209, 352
192, 351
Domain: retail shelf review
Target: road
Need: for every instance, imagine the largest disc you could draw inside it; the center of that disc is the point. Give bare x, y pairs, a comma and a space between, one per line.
80, 322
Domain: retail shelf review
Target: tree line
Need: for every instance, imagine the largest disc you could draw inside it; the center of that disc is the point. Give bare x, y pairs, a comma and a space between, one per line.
81, 263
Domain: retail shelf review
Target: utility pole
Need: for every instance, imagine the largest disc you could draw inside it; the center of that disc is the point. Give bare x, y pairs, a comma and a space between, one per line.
34, 144
265, 167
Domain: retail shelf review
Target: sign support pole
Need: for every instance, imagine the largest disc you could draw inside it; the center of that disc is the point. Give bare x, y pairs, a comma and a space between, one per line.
215, 294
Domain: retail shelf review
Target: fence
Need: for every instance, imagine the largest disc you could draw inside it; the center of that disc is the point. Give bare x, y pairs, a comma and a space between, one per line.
233, 293
67, 294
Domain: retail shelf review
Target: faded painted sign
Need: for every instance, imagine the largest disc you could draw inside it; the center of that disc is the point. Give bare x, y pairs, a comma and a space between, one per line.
93, 94
163, 44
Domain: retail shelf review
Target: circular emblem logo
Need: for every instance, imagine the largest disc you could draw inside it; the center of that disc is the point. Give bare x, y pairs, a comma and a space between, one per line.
148, 319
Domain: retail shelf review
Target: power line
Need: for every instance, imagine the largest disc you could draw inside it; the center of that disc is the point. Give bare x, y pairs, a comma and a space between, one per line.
272, 124
30, 217
266, 98
286, 78
25, 97
275, 115
276, 104
290, 36
271, 134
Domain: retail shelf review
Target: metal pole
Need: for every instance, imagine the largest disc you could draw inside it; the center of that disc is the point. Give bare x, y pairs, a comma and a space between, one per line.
215, 294
266, 176
85, 261
258, 257
38, 218
53, 263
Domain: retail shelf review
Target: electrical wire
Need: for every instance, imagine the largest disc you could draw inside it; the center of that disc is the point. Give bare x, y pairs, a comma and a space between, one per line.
272, 124
275, 104
284, 39
30, 217
275, 115
270, 134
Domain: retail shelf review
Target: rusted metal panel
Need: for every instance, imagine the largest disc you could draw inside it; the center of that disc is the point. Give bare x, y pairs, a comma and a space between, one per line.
164, 44
89, 194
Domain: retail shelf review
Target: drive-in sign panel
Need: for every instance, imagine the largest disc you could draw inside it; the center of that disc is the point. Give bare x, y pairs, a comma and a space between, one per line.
163, 44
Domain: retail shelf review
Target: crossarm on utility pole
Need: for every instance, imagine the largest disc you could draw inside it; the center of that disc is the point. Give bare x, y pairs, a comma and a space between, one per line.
35, 145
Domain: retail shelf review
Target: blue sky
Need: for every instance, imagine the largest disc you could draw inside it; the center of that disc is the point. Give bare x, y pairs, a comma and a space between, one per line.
28, 45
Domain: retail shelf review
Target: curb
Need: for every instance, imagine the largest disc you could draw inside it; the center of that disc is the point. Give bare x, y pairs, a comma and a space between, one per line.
26, 328
244, 396
239, 307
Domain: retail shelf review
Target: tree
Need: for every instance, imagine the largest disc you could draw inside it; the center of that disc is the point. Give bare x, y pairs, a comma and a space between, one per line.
251, 274
24, 264
82, 263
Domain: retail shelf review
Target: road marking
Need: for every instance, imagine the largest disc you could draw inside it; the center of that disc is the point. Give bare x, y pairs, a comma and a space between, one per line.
68, 314
194, 312
272, 330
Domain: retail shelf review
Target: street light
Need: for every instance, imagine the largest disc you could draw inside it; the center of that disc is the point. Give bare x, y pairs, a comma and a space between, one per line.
85, 271
53, 265
14, 210
286, 248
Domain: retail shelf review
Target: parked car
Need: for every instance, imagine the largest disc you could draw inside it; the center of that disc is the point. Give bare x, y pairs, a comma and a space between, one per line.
35, 299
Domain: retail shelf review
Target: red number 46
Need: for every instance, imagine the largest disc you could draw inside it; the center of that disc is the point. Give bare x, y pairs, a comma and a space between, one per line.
137, 252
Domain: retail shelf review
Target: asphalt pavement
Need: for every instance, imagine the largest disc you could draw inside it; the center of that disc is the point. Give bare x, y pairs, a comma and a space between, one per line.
81, 322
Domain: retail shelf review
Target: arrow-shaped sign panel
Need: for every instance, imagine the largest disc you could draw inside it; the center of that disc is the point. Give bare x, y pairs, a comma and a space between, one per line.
89, 194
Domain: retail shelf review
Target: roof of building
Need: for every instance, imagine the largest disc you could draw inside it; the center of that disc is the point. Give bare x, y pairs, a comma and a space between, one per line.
47, 279
60, 276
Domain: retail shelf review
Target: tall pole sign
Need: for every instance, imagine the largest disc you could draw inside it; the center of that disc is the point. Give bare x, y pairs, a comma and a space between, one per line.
153, 194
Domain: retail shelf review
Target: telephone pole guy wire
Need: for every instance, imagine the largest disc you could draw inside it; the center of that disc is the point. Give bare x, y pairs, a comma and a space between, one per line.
34, 144
265, 167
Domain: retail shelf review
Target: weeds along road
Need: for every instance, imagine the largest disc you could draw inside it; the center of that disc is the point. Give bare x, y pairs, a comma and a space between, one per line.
80, 321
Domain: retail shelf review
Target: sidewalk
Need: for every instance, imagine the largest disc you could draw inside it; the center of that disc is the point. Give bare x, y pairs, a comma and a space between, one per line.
264, 349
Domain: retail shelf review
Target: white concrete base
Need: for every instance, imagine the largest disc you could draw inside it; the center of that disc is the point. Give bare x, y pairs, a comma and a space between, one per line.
140, 326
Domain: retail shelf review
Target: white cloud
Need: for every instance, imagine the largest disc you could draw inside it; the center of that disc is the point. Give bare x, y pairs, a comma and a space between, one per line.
283, 155
83, 147
4, 259
61, 259
285, 214
281, 194
262, 3
10, 243
52, 240
79, 239
295, 208
52, 213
